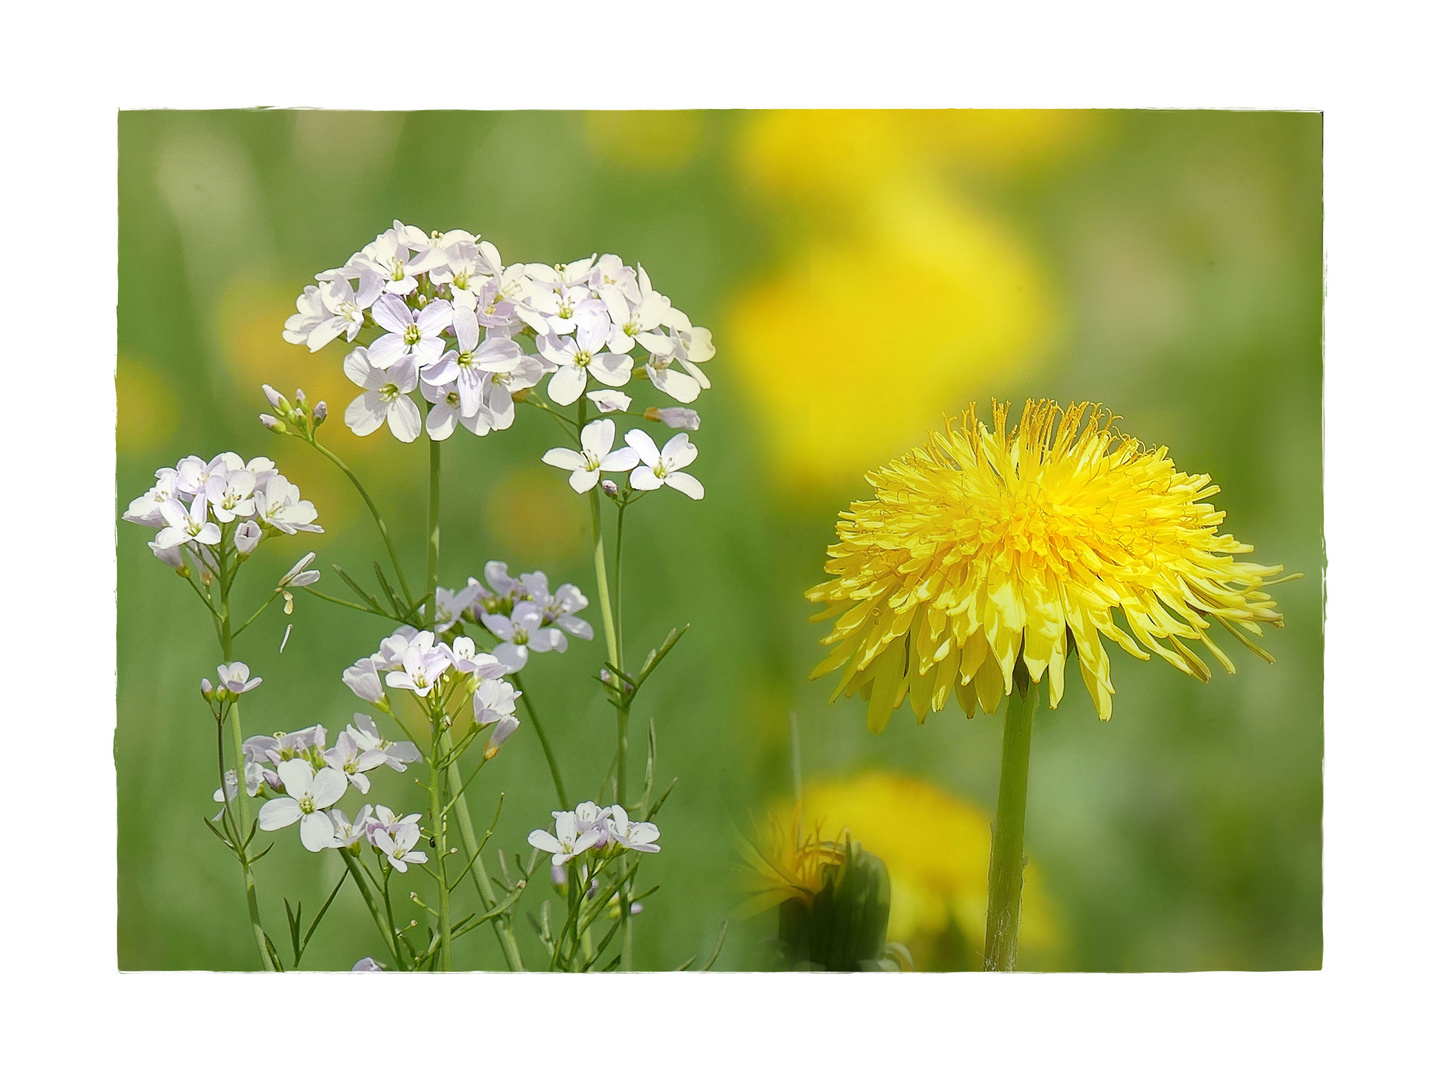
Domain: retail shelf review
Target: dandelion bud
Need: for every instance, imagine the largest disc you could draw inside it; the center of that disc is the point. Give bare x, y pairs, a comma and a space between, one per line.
609, 487
273, 424
844, 925
319, 413
277, 402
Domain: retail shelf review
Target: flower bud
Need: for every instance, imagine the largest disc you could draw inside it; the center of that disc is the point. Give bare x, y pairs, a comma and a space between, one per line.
844, 926
504, 728
170, 556
273, 424
247, 537
299, 398
609, 487
277, 402
319, 413
683, 419
207, 689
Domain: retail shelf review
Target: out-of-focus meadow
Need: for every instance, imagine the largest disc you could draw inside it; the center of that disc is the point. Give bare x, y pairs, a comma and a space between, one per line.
864, 275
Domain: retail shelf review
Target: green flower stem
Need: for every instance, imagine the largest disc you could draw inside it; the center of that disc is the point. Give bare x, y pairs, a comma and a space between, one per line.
437, 831
357, 875
374, 512
237, 741
470, 845
1007, 854
432, 537
544, 742
610, 621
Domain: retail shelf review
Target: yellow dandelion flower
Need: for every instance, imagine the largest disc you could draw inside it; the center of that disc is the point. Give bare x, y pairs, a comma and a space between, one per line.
986, 547
786, 864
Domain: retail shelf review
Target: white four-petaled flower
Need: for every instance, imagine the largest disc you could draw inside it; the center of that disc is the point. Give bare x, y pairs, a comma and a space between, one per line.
308, 795
594, 456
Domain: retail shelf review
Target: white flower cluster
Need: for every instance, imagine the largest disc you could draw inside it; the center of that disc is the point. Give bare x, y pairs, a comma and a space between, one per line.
225, 501
302, 780
593, 827
453, 318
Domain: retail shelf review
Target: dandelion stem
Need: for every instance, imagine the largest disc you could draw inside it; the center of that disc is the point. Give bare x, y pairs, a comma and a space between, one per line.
1007, 854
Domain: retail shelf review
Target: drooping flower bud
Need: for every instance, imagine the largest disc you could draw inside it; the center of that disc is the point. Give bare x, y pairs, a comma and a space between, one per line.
843, 928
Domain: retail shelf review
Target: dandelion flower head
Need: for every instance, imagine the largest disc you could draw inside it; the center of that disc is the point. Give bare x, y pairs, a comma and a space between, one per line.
987, 547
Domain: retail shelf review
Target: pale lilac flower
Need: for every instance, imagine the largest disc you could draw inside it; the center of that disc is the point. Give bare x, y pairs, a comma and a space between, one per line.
423, 664
353, 760
450, 606
344, 307
469, 662
363, 679
472, 361
560, 609
521, 632
367, 964
635, 835
683, 419
569, 306
236, 678
299, 743
567, 841
590, 817
610, 400
311, 312
193, 473
170, 556
386, 820
184, 526
397, 848
610, 274
445, 413
502, 384
247, 537
411, 334
389, 255
146, 509
664, 371
349, 834
594, 456
494, 700
307, 795
386, 398
297, 576
632, 319
577, 358
504, 728
367, 736
392, 649
278, 504
662, 467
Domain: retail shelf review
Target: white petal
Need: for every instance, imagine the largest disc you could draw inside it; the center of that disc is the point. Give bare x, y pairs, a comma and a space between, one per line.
688, 484
564, 458
404, 417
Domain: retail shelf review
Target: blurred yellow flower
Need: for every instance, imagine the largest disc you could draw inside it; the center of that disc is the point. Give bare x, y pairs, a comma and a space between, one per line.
900, 296
145, 406
983, 547
646, 140
937, 851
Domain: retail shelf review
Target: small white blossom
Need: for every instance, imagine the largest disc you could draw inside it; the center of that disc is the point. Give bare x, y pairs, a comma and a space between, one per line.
594, 456
247, 537
662, 467
635, 835
386, 398
187, 526
411, 334
577, 358
398, 847
308, 795
521, 632
567, 840
494, 700
236, 678
363, 678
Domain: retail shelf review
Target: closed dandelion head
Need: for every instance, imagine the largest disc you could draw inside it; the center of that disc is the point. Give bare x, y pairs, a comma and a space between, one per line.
987, 548
785, 864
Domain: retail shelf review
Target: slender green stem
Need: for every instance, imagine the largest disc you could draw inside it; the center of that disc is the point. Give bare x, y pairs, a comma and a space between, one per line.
258, 612
610, 620
242, 811
471, 846
544, 742
432, 537
437, 831
375, 513
1007, 850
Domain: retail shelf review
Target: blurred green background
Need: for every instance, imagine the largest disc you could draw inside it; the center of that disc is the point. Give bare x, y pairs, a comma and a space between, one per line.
864, 274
